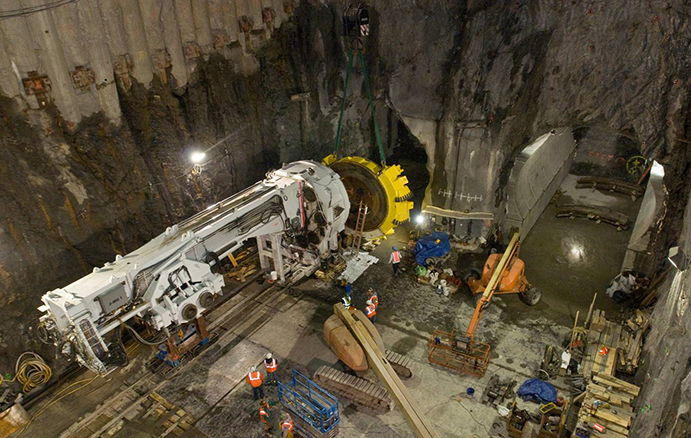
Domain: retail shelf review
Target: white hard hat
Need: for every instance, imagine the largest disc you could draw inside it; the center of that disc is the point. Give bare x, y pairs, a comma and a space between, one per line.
369, 302
268, 355
253, 369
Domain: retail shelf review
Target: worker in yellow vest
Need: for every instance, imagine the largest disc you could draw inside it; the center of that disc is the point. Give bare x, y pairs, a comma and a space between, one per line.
395, 259
287, 426
271, 366
371, 311
255, 380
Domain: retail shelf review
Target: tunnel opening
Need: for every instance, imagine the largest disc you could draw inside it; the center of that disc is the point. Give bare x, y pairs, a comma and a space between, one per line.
587, 197
410, 154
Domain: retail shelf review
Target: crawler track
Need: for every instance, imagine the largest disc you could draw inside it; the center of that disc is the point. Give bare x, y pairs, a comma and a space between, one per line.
362, 393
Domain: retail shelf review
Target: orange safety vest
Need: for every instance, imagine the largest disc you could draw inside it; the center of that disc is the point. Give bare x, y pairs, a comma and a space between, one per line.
254, 379
271, 366
371, 310
396, 257
263, 414
287, 425
375, 300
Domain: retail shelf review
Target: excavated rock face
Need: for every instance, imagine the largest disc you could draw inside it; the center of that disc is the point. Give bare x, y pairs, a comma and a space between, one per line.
473, 81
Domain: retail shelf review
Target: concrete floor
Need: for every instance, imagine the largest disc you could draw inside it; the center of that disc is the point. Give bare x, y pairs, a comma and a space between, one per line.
212, 389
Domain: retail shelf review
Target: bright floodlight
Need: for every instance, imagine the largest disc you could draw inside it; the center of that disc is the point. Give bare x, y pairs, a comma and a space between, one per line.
420, 219
197, 157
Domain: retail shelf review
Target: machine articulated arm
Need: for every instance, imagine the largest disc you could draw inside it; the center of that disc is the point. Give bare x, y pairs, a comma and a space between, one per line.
172, 279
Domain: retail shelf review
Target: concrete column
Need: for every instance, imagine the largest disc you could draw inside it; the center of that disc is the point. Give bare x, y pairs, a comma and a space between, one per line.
216, 14
10, 84
173, 42
137, 45
92, 26
72, 39
21, 55
230, 20
281, 15
202, 24
111, 17
183, 13
53, 59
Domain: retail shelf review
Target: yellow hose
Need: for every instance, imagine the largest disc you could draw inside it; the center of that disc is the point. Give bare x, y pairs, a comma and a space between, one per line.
31, 372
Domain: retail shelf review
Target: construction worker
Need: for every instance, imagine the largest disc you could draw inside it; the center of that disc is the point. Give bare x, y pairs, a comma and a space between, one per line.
372, 296
265, 416
371, 311
255, 380
271, 366
347, 299
395, 259
287, 426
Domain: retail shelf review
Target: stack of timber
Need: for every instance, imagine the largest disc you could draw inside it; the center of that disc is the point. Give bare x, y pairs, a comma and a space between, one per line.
611, 185
607, 409
612, 347
243, 267
593, 212
602, 342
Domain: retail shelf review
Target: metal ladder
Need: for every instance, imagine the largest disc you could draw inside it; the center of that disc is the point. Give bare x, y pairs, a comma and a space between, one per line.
360, 225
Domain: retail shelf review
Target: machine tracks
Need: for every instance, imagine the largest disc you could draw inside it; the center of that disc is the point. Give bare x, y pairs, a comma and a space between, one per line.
362, 393
403, 365
366, 395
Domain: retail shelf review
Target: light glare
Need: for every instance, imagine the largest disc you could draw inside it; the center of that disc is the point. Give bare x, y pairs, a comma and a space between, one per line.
197, 157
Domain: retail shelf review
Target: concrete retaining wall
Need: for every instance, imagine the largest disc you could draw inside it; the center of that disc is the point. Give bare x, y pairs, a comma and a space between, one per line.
71, 55
538, 172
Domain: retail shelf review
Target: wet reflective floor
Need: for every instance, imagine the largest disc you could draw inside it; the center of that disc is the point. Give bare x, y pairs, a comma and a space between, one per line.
571, 259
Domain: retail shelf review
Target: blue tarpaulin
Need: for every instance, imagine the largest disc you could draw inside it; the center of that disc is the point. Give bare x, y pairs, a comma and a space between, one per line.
435, 244
537, 390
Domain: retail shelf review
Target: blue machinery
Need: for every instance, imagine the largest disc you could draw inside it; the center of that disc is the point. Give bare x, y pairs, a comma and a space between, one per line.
314, 411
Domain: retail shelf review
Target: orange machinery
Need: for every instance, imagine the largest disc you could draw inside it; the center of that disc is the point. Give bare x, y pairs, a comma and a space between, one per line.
502, 274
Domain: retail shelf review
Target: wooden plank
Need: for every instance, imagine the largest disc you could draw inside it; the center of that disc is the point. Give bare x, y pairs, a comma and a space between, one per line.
617, 384
377, 360
590, 311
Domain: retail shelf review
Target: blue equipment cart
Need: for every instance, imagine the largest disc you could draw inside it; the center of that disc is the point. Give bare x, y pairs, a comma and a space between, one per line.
314, 411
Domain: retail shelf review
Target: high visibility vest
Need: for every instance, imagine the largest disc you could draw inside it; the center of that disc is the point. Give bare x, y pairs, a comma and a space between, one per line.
396, 257
263, 414
375, 300
287, 425
371, 310
254, 379
271, 366
346, 302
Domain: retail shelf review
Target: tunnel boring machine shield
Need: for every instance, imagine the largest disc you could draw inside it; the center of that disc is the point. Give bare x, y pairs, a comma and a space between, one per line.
384, 190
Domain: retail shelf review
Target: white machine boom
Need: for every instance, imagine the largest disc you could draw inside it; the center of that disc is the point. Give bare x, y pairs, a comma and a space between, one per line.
295, 214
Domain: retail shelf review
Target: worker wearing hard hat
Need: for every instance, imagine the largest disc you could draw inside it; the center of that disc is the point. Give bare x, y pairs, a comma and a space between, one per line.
266, 417
347, 299
371, 311
395, 259
287, 426
255, 380
271, 366
372, 296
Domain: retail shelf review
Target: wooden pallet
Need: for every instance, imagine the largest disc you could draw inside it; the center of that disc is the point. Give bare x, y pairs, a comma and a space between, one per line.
608, 402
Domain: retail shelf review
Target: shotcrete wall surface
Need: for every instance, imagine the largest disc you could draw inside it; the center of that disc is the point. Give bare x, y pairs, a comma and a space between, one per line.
538, 172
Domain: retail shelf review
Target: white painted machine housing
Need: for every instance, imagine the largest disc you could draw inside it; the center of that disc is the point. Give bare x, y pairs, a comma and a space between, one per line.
169, 280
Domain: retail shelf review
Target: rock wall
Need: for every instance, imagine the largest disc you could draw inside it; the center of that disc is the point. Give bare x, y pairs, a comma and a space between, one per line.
102, 100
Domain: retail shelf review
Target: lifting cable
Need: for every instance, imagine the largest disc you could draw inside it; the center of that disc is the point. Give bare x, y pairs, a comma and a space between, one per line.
355, 47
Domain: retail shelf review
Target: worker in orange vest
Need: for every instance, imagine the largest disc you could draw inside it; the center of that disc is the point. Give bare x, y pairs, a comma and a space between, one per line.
265, 416
395, 259
287, 426
254, 379
271, 366
371, 311
372, 296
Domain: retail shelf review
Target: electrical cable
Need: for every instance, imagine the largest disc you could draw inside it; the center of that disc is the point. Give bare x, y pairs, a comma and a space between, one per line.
140, 339
19, 12
30, 373
55, 399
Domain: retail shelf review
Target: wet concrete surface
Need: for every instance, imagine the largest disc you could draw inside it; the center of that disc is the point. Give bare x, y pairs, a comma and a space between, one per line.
569, 260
